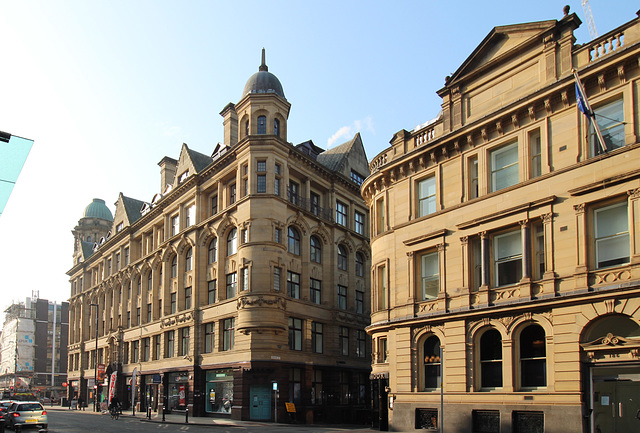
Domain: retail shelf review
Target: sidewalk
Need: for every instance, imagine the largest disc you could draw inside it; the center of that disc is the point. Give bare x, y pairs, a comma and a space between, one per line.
180, 419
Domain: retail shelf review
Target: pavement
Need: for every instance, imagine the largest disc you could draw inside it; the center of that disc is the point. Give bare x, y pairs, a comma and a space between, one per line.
181, 419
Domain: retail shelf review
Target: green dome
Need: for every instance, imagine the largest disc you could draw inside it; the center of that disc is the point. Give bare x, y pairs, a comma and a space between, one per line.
98, 209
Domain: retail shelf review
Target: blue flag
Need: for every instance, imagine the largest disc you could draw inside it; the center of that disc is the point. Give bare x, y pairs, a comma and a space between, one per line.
582, 105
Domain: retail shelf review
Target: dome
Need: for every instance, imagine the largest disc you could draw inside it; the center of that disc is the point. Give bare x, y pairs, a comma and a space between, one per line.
97, 209
263, 81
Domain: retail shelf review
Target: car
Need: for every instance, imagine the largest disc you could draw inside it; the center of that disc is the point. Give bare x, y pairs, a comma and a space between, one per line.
23, 414
4, 405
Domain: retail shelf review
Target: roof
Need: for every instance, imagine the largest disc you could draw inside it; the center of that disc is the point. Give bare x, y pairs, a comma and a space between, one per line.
199, 160
132, 207
334, 158
98, 209
263, 81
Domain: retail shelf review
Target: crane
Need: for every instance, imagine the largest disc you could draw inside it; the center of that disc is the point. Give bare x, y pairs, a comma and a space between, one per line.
589, 17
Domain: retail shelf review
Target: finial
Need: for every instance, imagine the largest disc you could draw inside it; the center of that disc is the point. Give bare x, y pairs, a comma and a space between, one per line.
566, 10
263, 66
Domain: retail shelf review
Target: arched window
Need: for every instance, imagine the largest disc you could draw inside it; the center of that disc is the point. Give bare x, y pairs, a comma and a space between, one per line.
293, 241
232, 242
262, 124
212, 253
491, 359
276, 127
174, 267
533, 357
342, 258
188, 260
246, 128
316, 250
359, 265
432, 364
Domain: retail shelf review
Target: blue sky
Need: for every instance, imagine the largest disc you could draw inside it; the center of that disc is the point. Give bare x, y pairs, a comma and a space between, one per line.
107, 88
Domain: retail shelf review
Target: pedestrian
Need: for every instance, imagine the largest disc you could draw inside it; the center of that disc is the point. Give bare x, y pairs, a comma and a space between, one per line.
80, 403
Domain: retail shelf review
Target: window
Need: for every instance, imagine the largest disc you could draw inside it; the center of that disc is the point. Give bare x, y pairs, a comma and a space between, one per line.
295, 334
357, 178
293, 284
491, 359
212, 251
149, 313
361, 346
212, 289
276, 127
342, 258
380, 216
610, 118
136, 351
382, 287
504, 167
277, 272
359, 265
174, 267
276, 185
343, 338
138, 316
185, 335
533, 361
431, 351
341, 213
293, 241
191, 216
359, 302
246, 127
149, 283
126, 256
187, 298
262, 183
173, 302
262, 124
175, 225
535, 154
611, 226
315, 291
146, 349
507, 253
158, 347
214, 205
232, 285
188, 260
244, 236
474, 190
293, 192
427, 196
171, 337
228, 338
342, 297
429, 276
316, 337
538, 251
359, 222
232, 242
232, 193
382, 350
315, 204
209, 337
315, 252
244, 279
277, 235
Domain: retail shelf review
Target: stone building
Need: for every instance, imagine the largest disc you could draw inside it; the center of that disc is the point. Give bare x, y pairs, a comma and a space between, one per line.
506, 243
247, 273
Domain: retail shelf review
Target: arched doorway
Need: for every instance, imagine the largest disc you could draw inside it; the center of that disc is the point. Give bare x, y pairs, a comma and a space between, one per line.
611, 360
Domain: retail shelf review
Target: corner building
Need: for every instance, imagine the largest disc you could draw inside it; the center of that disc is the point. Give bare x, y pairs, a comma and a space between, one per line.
505, 239
246, 273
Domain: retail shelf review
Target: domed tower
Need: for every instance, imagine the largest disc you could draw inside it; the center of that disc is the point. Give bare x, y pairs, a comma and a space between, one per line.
262, 110
95, 223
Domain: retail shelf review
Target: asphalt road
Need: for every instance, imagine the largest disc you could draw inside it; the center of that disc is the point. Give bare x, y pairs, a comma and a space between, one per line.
82, 422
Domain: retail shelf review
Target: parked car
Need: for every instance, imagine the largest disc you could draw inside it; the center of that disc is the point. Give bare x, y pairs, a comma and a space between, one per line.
25, 414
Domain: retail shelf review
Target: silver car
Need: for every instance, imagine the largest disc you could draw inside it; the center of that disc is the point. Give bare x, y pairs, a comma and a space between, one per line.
23, 414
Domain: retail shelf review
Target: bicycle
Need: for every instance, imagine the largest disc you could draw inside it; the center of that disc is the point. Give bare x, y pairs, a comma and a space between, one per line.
115, 411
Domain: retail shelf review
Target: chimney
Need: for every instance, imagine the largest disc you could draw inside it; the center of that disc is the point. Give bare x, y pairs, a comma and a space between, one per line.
230, 124
168, 168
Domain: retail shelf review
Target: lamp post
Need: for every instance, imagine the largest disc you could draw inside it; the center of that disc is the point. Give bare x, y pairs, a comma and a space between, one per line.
95, 362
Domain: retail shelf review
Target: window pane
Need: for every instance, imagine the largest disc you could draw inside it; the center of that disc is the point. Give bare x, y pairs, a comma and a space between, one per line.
612, 235
610, 118
504, 167
427, 196
429, 270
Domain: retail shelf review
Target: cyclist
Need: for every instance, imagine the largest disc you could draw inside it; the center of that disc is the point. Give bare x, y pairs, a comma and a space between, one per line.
114, 407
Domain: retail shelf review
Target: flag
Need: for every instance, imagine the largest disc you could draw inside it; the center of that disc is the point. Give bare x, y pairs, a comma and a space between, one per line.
133, 386
585, 108
112, 386
581, 99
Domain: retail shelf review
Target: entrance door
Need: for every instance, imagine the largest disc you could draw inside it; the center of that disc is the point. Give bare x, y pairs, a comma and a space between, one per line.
260, 403
616, 402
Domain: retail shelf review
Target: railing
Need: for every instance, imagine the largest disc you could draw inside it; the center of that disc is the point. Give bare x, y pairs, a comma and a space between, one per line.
605, 45
424, 136
308, 205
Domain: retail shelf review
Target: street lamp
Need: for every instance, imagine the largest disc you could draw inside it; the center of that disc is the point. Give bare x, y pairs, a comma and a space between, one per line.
95, 361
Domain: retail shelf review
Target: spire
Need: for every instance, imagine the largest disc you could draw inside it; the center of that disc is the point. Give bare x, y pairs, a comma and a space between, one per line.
263, 66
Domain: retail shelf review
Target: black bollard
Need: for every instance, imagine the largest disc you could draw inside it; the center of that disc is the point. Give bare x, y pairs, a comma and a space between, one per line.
149, 412
162, 413
186, 415
133, 409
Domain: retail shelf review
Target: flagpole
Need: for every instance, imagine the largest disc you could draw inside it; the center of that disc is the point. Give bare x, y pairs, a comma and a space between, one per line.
589, 113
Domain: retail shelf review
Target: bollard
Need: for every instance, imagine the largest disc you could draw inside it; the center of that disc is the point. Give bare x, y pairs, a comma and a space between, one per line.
133, 409
149, 412
162, 413
186, 416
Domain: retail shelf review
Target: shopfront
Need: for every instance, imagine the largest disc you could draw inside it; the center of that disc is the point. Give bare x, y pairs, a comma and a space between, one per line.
178, 390
150, 391
219, 391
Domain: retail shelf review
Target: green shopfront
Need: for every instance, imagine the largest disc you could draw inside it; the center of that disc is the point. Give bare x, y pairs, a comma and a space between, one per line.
219, 391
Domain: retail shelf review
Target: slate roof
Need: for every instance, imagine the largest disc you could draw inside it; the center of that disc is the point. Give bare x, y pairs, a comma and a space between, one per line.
333, 158
199, 160
132, 208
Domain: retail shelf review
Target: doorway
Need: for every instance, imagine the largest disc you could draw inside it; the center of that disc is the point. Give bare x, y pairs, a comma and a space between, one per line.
615, 399
260, 403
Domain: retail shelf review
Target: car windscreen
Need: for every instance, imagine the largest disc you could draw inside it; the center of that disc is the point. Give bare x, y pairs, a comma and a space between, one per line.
29, 406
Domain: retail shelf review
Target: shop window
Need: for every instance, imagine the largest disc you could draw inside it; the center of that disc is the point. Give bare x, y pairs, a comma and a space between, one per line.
533, 357
611, 227
504, 167
491, 359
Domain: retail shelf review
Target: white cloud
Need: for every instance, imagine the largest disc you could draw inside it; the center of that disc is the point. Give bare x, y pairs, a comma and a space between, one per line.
347, 132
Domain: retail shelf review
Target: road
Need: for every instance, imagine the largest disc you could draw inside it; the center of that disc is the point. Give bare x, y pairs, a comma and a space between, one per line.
81, 422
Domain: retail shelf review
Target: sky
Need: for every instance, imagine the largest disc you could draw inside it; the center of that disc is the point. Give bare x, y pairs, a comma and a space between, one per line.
107, 88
